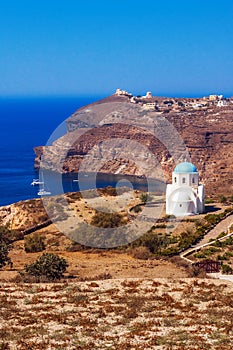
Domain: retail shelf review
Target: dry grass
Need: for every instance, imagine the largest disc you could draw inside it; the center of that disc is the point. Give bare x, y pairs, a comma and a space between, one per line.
117, 314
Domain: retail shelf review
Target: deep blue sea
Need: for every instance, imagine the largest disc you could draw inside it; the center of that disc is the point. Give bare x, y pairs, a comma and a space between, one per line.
24, 124
29, 122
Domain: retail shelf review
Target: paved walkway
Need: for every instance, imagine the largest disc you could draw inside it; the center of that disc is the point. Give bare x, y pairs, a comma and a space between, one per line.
222, 226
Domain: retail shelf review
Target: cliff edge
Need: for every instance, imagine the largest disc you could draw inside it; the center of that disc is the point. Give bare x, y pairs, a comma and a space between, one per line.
204, 129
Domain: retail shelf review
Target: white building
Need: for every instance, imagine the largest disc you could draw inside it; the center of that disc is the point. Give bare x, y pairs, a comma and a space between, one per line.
120, 92
185, 196
197, 105
222, 103
148, 95
149, 105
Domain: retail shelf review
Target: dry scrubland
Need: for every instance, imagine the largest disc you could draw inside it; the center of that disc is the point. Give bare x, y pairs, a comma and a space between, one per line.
118, 314
110, 299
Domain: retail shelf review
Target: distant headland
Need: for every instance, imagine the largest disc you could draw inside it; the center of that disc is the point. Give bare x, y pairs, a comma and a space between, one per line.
204, 124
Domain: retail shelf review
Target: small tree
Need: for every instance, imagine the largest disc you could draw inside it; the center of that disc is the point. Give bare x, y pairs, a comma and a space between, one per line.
47, 265
34, 243
223, 199
5, 247
145, 197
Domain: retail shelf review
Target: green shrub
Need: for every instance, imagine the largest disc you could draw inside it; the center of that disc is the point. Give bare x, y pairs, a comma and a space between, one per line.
137, 209
206, 252
34, 243
200, 255
226, 269
162, 226
225, 256
169, 216
5, 247
211, 250
170, 251
209, 201
154, 242
223, 199
222, 234
188, 238
212, 219
217, 243
47, 265
107, 220
145, 197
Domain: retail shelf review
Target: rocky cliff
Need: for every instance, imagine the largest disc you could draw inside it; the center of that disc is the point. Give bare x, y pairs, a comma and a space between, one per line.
117, 136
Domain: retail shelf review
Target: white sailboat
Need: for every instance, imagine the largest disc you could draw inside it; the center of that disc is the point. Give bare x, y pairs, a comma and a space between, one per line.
42, 191
37, 182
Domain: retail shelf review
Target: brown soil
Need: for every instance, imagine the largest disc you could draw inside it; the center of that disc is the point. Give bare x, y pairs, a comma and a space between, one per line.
117, 314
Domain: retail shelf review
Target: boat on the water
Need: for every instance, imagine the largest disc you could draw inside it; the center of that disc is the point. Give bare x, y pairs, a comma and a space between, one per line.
43, 192
37, 182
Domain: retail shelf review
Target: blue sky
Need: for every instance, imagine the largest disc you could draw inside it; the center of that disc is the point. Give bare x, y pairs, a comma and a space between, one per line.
72, 47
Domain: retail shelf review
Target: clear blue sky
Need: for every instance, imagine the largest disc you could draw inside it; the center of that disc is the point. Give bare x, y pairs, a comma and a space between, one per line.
72, 47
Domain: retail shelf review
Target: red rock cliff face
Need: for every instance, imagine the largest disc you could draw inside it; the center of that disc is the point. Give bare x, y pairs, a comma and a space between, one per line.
207, 135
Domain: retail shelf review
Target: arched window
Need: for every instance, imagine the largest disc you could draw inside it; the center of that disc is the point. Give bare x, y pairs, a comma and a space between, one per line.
183, 180
193, 180
175, 180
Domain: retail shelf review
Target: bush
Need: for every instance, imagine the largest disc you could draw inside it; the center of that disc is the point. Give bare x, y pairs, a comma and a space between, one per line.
34, 243
154, 242
222, 234
5, 247
107, 220
188, 238
145, 197
4, 346
109, 191
170, 251
212, 219
223, 199
137, 209
167, 217
47, 265
142, 253
225, 256
209, 201
195, 271
200, 255
226, 269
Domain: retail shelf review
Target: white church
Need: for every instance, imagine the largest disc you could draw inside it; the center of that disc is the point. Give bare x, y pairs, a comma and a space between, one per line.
185, 196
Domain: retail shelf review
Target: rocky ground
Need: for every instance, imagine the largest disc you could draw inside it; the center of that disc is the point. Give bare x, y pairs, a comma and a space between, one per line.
117, 314
108, 299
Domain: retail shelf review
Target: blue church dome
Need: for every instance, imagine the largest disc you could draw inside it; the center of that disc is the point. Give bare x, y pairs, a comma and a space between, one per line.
185, 167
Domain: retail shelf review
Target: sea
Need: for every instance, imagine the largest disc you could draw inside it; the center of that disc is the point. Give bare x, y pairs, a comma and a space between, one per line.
27, 122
